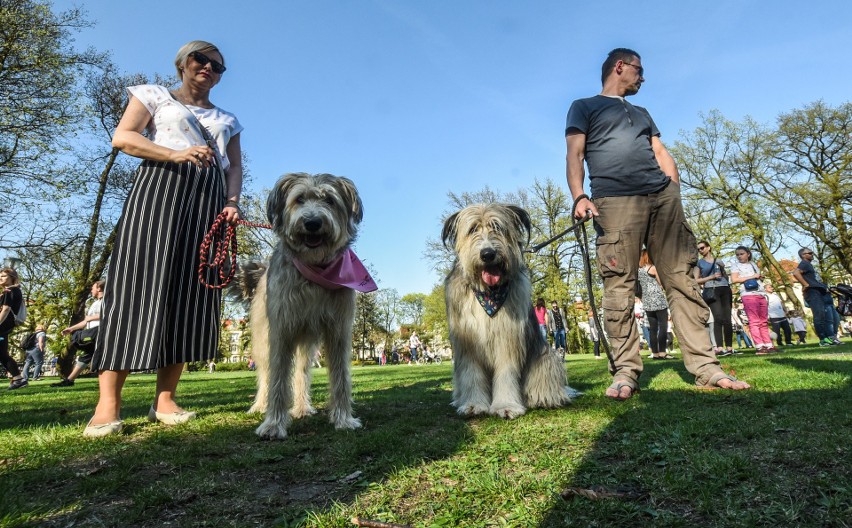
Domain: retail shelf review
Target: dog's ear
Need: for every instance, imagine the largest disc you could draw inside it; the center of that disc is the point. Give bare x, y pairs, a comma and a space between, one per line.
523, 219
349, 193
277, 199
450, 230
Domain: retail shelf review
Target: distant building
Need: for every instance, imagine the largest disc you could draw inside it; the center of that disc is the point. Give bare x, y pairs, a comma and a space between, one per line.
238, 349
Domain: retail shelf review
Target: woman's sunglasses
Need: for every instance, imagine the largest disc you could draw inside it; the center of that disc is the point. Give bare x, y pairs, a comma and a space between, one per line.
203, 60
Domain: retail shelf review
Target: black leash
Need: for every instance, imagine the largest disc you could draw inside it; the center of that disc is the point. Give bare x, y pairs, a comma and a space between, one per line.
579, 229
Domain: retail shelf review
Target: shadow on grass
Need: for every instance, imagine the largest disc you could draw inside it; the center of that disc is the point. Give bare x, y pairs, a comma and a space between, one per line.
774, 456
215, 471
678, 456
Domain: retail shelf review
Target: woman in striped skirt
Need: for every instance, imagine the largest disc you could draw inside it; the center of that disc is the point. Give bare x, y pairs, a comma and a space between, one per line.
156, 314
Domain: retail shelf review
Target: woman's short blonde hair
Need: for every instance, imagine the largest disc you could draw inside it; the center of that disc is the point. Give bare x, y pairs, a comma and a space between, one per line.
189, 47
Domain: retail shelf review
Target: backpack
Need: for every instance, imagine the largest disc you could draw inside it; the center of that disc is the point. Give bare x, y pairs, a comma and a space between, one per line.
29, 341
21, 316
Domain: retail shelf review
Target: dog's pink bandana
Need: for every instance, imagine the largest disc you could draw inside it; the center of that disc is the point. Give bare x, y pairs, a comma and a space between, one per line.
346, 271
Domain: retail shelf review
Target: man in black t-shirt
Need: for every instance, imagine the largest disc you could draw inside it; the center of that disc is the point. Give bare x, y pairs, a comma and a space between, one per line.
636, 190
819, 299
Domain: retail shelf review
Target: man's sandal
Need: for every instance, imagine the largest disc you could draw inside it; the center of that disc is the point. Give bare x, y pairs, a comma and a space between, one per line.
618, 385
713, 384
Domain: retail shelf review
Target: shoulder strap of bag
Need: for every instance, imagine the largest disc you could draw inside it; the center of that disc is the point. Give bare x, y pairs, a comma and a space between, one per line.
711, 268
208, 138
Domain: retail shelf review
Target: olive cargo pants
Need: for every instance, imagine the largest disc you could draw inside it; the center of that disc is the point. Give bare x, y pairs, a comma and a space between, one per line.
656, 220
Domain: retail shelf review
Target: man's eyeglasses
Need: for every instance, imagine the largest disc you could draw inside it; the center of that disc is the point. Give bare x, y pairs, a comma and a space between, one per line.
639, 69
702, 248
216, 66
808, 253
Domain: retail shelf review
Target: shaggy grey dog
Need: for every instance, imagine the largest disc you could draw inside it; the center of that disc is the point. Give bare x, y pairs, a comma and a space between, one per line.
316, 218
502, 364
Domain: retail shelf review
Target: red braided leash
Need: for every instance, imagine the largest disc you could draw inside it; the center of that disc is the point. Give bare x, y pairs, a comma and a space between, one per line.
223, 238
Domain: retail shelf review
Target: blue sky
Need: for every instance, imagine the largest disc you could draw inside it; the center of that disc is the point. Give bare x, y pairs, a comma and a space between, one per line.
413, 99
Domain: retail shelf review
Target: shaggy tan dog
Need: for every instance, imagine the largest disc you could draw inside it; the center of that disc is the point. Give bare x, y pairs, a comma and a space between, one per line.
502, 365
316, 218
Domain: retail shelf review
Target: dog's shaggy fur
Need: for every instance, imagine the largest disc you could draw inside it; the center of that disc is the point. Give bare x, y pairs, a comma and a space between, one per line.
502, 365
316, 218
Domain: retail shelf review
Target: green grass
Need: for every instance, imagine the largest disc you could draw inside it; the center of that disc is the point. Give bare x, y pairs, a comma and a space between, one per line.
778, 455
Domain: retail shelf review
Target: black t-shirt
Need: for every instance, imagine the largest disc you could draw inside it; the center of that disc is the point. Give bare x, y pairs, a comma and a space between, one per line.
618, 146
811, 276
11, 297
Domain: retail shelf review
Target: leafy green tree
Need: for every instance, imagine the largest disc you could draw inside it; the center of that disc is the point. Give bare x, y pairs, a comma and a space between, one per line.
550, 212
811, 184
388, 307
366, 330
411, 308
435, 314
39, 75
724, 162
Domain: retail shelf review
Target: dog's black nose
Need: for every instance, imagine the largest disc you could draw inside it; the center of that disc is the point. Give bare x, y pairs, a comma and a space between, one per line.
487, 254
313, 224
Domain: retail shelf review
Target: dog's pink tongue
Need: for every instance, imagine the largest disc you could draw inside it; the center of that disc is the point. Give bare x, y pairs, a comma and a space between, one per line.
490, 279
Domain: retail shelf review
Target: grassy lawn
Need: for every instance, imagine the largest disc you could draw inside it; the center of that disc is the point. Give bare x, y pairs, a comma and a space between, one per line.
778, 455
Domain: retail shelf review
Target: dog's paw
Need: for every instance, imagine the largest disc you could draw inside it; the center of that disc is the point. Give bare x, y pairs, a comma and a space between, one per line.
272, 430
571, 393
471, 409
508, 411
257, 408
301, 411
347, 422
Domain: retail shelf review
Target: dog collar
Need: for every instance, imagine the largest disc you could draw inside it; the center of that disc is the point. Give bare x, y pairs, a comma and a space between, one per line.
492, 299
345, 271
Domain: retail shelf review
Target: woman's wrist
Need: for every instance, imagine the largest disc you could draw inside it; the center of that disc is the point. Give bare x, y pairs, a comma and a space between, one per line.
232, 203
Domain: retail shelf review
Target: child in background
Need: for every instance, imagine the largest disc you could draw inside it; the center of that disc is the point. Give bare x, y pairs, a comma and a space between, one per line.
798, 324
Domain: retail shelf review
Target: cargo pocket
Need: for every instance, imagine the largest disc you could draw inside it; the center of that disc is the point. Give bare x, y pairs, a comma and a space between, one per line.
618, 314
610, 255
688, 244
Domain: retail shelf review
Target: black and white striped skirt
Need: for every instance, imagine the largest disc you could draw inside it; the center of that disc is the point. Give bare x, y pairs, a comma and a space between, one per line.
156, 312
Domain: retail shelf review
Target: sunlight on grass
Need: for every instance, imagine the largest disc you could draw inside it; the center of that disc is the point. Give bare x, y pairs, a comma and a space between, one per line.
676, 456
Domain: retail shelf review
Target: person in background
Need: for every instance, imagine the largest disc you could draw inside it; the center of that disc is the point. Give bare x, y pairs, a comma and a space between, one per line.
818, 298
642, 322
11, 302
740, 327
594, 336
541, 317
712, 276
778, 316
91, 320
413, 344
655, 306
754, 300
798, 324
556, 324
35, 354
